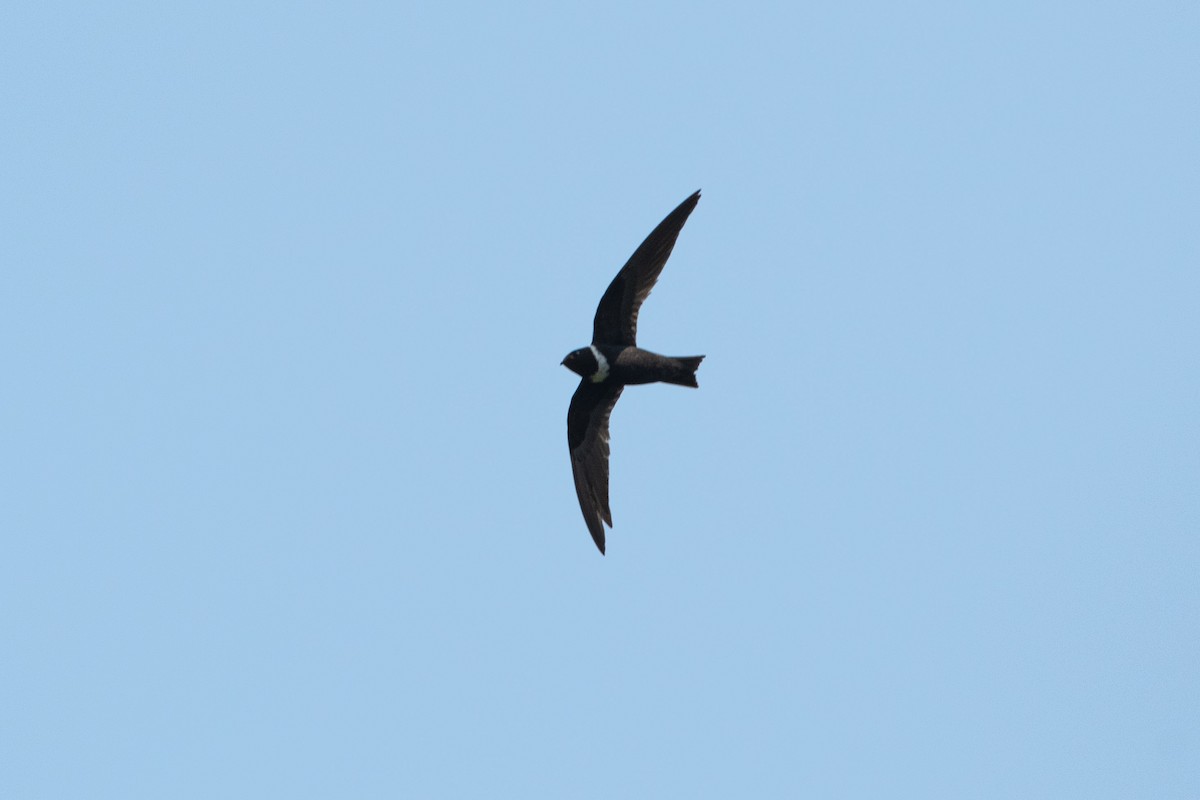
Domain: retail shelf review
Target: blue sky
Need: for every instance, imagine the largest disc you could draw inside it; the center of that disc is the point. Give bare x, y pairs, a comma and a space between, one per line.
287, 509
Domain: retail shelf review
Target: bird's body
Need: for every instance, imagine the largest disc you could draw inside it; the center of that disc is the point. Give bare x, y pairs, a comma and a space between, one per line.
613, 361
626, 366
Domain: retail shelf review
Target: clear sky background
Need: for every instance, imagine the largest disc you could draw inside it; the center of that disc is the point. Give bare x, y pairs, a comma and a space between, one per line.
286, 503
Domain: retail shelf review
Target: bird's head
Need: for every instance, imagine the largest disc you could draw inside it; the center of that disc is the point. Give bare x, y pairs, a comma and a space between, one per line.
582, 362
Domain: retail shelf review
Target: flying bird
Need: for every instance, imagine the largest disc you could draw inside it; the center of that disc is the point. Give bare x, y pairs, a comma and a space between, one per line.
613, 361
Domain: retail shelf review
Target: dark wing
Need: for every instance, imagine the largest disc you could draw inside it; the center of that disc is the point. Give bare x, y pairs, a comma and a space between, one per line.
587, 437
617, 314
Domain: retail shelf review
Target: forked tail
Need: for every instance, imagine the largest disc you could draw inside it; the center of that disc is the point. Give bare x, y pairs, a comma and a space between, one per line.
686, 375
